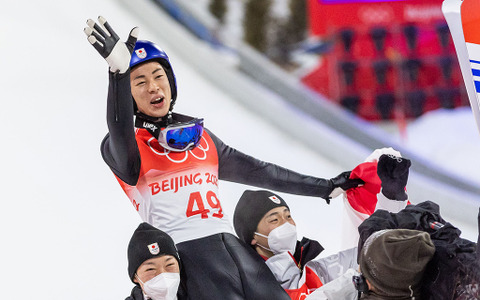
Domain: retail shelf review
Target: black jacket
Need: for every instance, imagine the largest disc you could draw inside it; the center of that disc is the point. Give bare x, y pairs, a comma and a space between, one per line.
137, 294
454, 268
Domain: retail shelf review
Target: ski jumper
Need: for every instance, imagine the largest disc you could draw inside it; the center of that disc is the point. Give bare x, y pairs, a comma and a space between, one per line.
177, 192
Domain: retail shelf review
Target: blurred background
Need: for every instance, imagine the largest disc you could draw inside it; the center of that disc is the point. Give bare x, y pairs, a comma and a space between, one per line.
312, 85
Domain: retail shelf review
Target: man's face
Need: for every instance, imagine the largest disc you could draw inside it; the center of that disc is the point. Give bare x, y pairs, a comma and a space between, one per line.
271, 220
156, 266
151, 89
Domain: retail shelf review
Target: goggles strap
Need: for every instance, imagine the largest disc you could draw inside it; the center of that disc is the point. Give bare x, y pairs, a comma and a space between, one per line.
152, 127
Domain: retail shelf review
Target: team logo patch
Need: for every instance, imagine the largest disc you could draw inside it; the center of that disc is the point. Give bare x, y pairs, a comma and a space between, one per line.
274, 199
154, 249
141, 53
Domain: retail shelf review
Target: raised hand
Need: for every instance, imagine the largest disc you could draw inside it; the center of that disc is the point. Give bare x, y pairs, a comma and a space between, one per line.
108, 44
393, 172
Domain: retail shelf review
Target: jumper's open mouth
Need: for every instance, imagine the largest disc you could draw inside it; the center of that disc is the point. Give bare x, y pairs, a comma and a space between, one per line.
157, 101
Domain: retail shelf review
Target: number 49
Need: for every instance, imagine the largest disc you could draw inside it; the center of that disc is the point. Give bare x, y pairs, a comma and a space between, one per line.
212, 200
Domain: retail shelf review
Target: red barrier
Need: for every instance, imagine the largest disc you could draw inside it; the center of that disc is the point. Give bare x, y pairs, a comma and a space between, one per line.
390, 59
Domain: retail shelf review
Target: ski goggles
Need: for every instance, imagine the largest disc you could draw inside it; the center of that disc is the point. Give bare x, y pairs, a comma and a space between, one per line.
181, 136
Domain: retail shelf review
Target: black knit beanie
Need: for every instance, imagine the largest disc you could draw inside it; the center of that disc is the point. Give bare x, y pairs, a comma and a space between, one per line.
394, 260
250, 209
148, 242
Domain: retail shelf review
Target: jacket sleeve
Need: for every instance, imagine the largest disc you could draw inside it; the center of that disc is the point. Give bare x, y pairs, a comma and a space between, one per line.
340, 288
238, 167
119, 147
285, 270
136, 294
333, 266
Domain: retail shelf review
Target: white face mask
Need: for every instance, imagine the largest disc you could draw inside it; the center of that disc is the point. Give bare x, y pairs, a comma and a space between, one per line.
162, 287
281, 239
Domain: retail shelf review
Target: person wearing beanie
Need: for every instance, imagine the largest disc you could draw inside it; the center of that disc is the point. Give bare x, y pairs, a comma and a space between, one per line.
154, 265
454, 269
393, 263
261, 211
169, 166
262, 219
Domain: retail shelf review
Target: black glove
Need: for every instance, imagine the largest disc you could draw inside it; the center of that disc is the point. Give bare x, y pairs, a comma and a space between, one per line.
108, 44
393, 172
341, 183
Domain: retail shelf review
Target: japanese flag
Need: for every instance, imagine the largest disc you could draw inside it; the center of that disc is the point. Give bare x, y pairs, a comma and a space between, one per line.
463, 19
141, 53
154, 249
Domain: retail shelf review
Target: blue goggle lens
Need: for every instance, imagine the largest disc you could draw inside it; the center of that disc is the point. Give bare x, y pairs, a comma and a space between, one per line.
183, 137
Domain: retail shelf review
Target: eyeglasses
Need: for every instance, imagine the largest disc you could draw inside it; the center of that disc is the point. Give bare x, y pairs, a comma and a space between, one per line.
181, 136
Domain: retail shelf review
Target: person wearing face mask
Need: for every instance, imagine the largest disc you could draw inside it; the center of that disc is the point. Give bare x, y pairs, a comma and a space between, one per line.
263, 220
154, 265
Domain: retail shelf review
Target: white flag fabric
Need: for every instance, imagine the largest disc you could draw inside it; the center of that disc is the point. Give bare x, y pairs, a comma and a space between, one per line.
463, 19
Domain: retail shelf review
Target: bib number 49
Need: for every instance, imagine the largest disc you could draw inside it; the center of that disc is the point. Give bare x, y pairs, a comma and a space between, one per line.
196, 205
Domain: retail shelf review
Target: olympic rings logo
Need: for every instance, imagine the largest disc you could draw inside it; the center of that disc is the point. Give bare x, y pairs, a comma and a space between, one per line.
200, 149
375, 15
398, 159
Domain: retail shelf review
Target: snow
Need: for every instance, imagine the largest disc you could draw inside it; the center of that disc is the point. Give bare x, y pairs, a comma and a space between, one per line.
453, 142
65, 222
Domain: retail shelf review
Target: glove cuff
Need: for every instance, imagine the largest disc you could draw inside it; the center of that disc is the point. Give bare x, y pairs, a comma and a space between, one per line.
394, 195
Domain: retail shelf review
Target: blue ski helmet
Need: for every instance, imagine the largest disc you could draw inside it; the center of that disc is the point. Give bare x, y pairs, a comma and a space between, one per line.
145, 51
